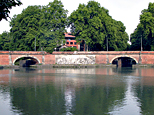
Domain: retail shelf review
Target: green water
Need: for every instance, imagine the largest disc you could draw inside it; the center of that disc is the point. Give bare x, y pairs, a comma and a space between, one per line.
93, 91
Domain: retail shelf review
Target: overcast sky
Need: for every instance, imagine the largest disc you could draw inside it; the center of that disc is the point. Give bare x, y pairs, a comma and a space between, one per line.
127, 11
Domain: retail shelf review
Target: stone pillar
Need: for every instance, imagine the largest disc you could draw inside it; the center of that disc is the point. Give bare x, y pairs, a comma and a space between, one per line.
107, 59
131, 62
43, 59
22, 63
10, 59
119, 64
140, 58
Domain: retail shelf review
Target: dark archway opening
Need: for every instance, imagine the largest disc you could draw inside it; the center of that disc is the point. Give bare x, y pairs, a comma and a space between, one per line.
26, 61
124, 62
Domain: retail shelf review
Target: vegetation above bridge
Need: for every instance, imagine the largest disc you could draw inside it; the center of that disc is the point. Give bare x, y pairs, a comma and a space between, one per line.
42, 28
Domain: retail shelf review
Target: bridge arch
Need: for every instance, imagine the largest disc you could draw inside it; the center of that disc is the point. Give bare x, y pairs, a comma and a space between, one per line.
124, 61
35, 59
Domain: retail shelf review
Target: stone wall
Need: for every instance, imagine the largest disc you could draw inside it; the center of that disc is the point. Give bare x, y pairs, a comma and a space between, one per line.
49, 59
147, 59
4, 59
75, 59
101, 57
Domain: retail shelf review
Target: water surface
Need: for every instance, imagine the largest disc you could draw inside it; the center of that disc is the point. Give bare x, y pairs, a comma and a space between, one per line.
93, 91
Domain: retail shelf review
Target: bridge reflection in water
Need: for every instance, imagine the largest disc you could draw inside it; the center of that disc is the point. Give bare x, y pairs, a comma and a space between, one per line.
72, 89
77, 90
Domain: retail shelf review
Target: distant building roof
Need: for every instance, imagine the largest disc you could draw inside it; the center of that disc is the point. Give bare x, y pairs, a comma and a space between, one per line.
69, 35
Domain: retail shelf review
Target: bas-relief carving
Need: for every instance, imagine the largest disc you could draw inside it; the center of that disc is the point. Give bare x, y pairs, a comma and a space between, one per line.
75, 59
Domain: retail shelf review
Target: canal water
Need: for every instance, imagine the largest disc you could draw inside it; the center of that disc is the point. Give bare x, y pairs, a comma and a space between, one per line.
92, 91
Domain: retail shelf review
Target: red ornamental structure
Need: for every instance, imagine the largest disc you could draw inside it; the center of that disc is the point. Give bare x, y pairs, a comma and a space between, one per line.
71, 42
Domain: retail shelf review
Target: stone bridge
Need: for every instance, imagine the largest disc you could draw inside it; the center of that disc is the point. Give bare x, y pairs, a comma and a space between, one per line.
120, 58
37, 57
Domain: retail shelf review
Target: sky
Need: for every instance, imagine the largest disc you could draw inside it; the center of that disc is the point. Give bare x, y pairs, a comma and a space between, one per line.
126, 11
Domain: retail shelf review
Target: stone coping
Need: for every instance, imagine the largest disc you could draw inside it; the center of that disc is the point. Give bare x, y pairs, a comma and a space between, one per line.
24, 52
103, 53
76, 52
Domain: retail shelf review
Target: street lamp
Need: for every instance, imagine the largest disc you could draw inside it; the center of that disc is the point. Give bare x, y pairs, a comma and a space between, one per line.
35, 43
107, 49
107, 43
141, 43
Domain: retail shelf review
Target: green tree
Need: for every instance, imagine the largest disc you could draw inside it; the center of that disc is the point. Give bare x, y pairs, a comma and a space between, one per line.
5, 41
144, 31
43, 24
5, 6
93, 24
69, 49
52, 25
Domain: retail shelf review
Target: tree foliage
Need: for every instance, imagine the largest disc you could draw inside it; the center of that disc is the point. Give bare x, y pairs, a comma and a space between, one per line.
40, 25
93, 24
5, 6
43, 28
144, 30
5, 41
69, 49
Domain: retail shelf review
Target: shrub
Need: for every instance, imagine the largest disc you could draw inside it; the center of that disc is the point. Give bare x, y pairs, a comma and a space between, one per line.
69, 49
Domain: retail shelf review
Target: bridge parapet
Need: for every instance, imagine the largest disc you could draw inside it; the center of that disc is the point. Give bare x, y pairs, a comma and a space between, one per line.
23, 52
102, 53
98, 57
78, 52
147, 52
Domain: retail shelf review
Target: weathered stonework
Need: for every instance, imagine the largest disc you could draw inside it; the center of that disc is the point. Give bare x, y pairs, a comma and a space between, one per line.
101, 57
75, 59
